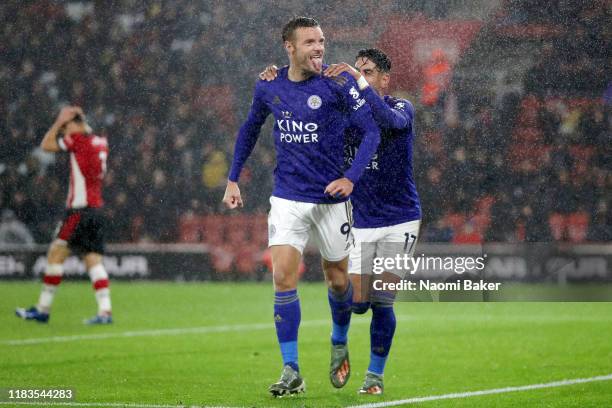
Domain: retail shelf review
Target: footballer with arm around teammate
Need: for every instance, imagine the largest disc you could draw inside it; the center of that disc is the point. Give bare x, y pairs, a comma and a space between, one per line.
386, 204
83, 226
311, 186
387, 208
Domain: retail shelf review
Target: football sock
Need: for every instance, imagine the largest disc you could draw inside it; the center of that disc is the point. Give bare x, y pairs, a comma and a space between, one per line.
51, 279
287, 316
340, 304
382, 329
99, 279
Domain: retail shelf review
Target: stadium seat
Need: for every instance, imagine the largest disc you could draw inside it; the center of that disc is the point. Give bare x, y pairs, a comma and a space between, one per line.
455, 221
236, 231
527, 135
577, 226
529, 110
213, 229
190, 228
557, 223
260, 230
247, 258
467, 234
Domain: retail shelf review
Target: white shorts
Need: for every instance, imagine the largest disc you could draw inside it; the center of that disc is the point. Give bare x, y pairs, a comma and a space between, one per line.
384, 242
329, 225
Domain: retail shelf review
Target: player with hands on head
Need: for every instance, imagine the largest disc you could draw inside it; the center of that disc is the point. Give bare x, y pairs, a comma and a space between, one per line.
82, 230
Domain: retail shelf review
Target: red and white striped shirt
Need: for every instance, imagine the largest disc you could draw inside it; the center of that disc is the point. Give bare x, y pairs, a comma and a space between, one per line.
88, 155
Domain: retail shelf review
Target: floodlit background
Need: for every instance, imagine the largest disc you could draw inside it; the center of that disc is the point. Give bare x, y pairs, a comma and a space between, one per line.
512, 99
512, 160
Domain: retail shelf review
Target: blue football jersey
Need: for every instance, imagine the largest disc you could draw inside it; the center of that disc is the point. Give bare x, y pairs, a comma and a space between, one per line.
386, 194
310, 120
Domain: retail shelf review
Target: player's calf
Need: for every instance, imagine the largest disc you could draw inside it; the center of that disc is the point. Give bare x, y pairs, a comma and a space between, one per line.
51, 280
341, 309
382, 330
100, 283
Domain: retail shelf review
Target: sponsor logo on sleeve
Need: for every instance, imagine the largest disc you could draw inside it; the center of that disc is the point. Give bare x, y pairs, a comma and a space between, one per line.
355, 94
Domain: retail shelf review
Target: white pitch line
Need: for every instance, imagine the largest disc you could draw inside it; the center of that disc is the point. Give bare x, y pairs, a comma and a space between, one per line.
469, 394
260, 326
170, 332
162, 332
153, 332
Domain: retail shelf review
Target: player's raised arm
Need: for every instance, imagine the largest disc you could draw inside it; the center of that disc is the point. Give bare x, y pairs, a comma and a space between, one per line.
361, 117
247, 138
67, 113
397, 117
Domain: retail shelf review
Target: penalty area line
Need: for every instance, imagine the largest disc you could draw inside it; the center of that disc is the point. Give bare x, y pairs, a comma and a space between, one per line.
469, 394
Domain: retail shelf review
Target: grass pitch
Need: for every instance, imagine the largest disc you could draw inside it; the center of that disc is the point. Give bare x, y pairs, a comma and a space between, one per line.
225, 353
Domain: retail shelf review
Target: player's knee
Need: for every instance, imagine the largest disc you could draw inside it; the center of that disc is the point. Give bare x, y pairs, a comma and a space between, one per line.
92, 259
360, 307
284, 279
337, 284
337, 278
98, 272
58, 252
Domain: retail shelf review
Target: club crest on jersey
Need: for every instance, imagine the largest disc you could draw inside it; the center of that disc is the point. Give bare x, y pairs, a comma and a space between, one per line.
314, 102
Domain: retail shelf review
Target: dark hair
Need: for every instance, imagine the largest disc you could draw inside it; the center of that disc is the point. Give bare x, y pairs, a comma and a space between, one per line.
295, 23
379, 58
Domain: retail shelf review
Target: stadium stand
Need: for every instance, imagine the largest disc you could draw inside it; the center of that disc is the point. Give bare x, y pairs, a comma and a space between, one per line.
515, 146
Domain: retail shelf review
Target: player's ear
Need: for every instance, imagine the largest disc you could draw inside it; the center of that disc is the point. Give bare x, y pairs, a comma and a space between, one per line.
386, 78
289, 47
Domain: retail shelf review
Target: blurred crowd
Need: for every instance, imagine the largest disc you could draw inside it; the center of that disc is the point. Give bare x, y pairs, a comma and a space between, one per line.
169, 83
531, 164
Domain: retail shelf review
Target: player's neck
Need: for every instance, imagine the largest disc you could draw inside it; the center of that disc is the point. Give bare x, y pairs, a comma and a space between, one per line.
296, 74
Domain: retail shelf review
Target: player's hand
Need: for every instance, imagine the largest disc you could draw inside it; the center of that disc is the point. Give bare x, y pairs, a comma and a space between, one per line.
336, 69
269, 74
340, 188
232, 198
68, 113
